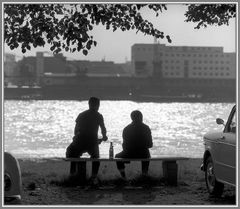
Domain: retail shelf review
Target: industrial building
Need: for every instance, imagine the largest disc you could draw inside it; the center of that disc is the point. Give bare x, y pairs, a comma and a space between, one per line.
182, 62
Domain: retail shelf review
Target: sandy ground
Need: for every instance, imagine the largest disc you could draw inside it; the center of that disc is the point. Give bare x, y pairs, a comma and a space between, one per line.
43, 184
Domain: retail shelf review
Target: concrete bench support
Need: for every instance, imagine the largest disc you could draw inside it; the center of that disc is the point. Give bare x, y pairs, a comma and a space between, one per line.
79, 169
170, 172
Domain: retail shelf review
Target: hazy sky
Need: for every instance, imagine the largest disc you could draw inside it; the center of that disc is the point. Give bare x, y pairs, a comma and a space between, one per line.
116, 46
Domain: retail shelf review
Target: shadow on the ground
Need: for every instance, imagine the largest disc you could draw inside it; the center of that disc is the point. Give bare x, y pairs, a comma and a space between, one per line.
145, 181
142, 190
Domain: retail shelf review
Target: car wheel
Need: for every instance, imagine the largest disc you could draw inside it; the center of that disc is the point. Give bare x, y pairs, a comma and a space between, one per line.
214, 187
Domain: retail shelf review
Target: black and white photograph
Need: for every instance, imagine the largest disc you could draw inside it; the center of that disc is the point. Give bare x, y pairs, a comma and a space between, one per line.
119, 104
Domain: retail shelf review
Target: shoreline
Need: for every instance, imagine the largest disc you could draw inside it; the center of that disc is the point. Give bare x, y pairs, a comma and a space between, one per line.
142, 100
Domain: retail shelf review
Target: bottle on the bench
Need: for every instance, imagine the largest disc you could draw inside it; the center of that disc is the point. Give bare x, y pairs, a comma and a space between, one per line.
111, 152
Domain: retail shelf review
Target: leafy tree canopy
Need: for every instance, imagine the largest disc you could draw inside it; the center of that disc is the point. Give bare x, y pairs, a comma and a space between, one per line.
67, 27
210, 14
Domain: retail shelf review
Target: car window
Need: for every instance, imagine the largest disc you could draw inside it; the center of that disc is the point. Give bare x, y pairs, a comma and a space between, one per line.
233, 124
230, 126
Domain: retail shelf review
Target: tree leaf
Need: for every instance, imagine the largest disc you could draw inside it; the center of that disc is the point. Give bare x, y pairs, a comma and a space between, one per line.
85, 52
23, 50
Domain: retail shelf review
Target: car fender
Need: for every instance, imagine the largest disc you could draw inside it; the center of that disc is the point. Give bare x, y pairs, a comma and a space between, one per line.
12, 169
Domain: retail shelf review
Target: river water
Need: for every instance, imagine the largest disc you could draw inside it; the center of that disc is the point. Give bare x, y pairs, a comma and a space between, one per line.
44, 128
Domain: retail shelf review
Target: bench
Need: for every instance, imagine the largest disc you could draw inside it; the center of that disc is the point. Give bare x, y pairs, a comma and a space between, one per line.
169, 166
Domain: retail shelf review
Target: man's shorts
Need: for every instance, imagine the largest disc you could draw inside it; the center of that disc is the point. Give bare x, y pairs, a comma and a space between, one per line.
75, 150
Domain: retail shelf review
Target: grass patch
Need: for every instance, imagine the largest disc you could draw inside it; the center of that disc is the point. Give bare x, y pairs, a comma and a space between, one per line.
147, 181
69, 181
27, 174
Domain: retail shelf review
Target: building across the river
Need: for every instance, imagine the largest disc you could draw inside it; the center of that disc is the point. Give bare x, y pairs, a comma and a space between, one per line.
156, 71
182, 62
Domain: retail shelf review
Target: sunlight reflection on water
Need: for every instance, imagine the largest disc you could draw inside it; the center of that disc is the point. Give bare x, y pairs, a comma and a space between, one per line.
45, 128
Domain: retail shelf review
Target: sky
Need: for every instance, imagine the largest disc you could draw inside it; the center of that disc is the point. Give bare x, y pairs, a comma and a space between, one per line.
116, 46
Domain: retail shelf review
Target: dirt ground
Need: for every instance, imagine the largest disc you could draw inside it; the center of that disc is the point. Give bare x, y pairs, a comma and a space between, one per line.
44, 184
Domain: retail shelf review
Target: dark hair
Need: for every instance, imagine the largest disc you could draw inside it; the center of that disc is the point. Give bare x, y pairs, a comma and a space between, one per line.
136, 116
93, 102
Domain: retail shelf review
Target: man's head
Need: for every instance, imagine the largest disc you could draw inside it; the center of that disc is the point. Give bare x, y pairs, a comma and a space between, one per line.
94, 103
136, 116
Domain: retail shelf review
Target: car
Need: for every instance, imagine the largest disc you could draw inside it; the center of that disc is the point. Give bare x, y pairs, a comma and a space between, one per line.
219, 159
12, 179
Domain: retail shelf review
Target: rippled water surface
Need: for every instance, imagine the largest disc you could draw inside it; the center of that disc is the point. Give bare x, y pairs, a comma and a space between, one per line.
45, 128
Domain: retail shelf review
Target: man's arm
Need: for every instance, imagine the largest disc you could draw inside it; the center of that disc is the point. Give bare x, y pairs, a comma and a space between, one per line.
124, 136
76, 129
77, 125
149, 138
103, 129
